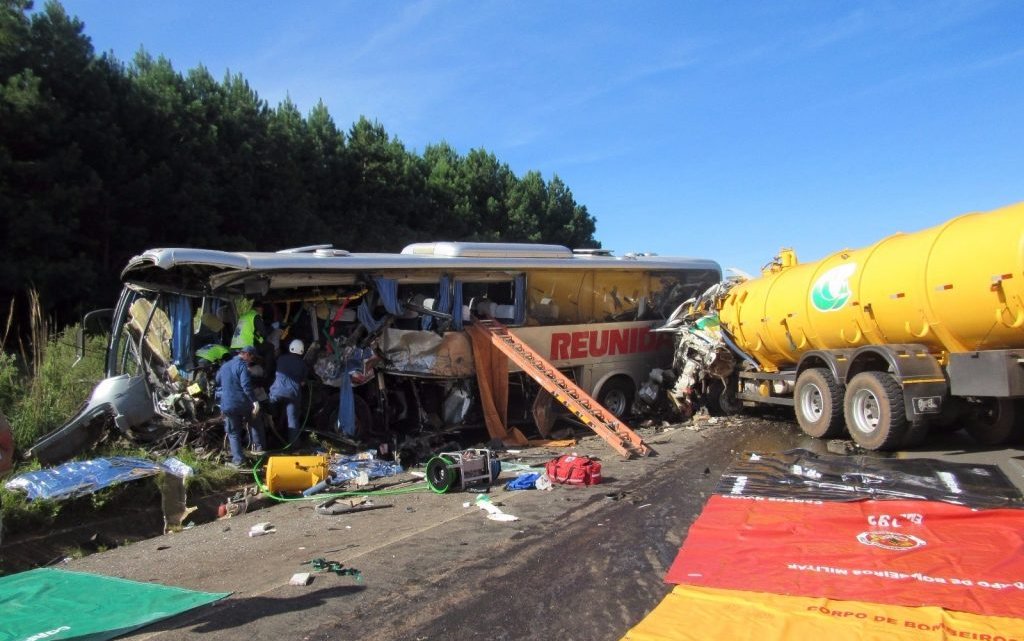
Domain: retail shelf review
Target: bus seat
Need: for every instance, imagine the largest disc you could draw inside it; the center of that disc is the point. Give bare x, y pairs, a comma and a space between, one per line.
545, 311
505, 312
485, 308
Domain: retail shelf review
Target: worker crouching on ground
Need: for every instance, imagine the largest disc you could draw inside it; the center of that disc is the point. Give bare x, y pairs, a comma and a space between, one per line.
238, 402
287, 386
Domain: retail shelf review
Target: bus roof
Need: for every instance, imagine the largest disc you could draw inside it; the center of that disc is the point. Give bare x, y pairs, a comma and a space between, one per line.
191, 268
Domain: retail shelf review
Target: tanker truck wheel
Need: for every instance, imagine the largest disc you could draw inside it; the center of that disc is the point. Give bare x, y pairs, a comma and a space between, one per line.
874, 410
996, 421
818, 402
720, 398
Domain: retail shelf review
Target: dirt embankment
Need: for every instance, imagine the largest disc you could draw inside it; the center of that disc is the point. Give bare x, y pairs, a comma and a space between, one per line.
126, 514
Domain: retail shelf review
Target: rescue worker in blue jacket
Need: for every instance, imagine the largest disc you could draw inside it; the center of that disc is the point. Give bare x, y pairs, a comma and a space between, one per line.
287, 386
238, 402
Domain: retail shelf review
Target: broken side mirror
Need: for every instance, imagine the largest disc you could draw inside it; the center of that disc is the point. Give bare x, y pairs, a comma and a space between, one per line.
96, 322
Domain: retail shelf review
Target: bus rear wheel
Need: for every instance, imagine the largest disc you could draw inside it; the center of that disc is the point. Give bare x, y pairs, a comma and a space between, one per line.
616, 396
818, 403
874, 410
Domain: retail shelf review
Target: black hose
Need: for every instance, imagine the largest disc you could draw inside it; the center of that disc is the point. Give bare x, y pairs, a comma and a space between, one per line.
736, 350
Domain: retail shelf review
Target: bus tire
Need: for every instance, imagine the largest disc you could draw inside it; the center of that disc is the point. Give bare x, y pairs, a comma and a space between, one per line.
874, 410
997, 422
818, 403
617, 395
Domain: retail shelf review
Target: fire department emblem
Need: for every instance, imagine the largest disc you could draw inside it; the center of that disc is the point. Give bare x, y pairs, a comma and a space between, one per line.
891, 540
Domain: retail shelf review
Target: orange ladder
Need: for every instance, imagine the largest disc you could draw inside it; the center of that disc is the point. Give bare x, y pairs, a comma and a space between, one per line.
617, 434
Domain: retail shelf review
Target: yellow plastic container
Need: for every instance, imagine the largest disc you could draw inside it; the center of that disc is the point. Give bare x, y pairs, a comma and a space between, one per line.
295, 473
956, 287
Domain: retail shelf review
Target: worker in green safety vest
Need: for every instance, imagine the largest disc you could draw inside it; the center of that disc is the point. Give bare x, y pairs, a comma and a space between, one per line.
248, 330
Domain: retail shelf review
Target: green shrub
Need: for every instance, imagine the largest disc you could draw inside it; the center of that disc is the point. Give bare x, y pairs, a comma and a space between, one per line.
20, 514
209, 476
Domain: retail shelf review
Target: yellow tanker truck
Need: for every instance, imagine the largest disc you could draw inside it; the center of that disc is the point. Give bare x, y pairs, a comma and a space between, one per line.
915, 332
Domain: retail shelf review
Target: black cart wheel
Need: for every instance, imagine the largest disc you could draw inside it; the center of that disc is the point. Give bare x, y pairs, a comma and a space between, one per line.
441, 474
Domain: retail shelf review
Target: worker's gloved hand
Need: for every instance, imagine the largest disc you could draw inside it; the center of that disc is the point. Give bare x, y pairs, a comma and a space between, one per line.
256, 409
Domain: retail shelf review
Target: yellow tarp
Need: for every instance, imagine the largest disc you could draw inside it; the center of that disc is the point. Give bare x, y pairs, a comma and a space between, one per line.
701, 614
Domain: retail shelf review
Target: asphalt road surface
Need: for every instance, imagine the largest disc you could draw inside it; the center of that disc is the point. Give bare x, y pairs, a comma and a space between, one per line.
580, 563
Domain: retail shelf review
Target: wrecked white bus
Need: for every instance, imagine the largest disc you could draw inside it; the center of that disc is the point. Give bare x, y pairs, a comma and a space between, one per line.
383, 334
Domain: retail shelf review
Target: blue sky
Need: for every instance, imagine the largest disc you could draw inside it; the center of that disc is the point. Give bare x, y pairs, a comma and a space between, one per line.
723, 130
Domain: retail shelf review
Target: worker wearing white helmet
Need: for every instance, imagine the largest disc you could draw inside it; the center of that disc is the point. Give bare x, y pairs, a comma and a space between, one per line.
287, 387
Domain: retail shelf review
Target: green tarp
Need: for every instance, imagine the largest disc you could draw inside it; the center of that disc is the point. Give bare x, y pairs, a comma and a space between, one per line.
55, 604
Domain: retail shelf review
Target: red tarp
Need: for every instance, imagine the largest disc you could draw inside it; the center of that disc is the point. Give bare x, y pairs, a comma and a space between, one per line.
898, 552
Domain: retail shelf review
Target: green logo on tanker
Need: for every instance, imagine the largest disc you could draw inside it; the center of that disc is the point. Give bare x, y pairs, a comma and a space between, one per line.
832, 289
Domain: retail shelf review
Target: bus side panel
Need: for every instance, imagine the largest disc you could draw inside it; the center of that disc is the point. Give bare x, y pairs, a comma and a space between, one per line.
602, 350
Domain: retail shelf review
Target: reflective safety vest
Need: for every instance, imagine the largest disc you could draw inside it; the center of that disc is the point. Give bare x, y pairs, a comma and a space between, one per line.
245, 331
212, 353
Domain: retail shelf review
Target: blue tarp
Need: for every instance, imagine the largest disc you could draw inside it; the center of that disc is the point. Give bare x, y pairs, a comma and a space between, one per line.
80, 478
523, 482
349, 467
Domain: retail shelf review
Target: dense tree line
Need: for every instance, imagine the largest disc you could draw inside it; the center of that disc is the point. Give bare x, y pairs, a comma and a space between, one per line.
100, 159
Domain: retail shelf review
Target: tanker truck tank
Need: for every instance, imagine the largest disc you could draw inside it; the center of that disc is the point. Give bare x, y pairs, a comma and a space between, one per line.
918, 330
953, 288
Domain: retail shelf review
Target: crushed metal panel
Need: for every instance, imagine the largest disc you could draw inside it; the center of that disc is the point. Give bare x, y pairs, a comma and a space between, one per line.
417, 352
124, 398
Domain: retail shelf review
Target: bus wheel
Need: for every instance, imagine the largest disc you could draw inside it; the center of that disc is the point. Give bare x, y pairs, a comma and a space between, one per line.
617, 396
996, 421
818, 402
874, 410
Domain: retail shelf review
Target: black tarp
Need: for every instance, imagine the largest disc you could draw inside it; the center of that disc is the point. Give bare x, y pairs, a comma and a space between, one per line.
800, 474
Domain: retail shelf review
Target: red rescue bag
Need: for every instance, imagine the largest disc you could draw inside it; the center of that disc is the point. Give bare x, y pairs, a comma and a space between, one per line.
574, 470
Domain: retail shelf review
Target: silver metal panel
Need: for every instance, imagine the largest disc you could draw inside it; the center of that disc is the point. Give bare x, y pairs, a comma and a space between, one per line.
997, 373
487, 250
232, 266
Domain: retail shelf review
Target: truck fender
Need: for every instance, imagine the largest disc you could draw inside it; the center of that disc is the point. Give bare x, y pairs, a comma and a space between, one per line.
924, 383
836, 361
